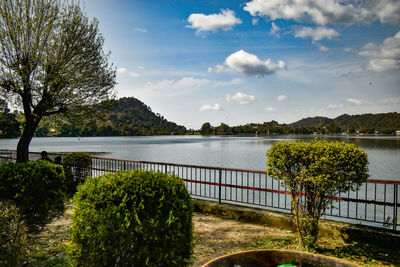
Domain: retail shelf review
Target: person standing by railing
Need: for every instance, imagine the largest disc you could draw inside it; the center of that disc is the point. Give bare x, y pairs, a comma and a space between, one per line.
44, 156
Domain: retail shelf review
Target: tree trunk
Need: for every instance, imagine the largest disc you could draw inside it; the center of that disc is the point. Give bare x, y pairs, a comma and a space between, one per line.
25, 140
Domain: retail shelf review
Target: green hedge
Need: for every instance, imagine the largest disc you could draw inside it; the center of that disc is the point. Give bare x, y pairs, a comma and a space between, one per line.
37, 189
77, 167
13, 236
138, 218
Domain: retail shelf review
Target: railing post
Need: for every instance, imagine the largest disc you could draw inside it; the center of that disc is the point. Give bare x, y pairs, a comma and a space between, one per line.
219, 186
166, 169
395, 200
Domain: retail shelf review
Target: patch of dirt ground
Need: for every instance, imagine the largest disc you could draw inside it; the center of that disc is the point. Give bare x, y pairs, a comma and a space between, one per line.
215, 236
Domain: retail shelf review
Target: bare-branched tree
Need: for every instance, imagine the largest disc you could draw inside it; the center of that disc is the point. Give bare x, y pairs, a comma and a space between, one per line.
51, 62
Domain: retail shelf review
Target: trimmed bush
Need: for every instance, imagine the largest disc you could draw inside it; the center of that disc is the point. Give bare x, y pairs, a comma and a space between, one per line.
77, 167
37, 189
138, 218
13, 237
316, 172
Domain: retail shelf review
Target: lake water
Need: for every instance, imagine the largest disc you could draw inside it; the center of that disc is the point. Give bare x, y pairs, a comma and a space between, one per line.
215, 151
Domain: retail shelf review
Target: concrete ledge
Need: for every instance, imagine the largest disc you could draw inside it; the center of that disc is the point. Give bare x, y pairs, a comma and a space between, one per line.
346, 231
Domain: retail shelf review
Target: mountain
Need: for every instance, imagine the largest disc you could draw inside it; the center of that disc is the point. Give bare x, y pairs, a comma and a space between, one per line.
128, 117
384, 122
313, 122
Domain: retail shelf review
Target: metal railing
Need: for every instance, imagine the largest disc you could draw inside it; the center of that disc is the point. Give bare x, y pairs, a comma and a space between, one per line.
376, 203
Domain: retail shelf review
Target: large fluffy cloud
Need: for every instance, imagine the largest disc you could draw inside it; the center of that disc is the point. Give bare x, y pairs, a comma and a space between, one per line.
324, 12
240, 98
214, 22
250, 64
384, 56
316, 34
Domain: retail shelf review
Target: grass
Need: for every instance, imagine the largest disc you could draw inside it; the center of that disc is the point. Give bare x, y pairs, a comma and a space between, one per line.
215, 236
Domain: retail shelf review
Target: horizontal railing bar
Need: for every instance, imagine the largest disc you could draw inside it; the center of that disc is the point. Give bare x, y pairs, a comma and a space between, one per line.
182, 165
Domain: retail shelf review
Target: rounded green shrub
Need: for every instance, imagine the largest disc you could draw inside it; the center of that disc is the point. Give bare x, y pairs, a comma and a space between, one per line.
138, 218
37, 189
315, 172
13, 236
77, 167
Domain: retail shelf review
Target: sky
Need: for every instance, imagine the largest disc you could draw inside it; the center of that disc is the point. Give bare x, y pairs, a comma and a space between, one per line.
239, 62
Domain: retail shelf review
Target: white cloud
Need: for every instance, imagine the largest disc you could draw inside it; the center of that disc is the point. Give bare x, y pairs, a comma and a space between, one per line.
254, 21
316, 34
140, 30
384, 56
176, 87
250, 64
347, 50
282, 97
125, 71
322, 48
387, 11
274, 30
215, 107
182, 86
217, 69
141, 67
214, 22
333, 106
323, 12
241, 98
270, 109
354, 101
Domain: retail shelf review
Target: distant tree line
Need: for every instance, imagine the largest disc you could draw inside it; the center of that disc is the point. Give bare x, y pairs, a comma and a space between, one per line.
384, 123
129, 116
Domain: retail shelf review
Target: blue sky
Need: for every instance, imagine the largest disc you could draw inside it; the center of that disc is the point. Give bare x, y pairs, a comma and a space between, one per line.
253, 61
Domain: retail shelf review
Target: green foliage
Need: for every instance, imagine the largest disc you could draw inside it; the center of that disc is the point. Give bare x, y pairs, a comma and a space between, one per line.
13, 236
37, 189
77, 167
9, 125
206, 129
314, 172
138, 218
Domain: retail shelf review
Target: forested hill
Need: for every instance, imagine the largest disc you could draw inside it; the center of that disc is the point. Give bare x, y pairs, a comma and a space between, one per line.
128, 117
382, 121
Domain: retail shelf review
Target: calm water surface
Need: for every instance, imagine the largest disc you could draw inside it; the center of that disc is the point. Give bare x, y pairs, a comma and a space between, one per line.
216, 151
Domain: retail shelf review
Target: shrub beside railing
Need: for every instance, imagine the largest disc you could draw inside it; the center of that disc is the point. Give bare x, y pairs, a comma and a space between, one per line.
139, 217
37, 188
